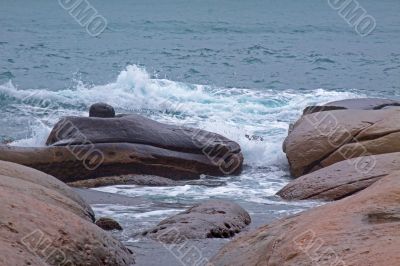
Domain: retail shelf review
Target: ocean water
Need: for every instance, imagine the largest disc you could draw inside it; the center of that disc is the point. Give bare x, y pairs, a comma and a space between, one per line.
238, 68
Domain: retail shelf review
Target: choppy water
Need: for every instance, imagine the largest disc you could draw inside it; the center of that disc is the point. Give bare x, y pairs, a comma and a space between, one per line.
233, 67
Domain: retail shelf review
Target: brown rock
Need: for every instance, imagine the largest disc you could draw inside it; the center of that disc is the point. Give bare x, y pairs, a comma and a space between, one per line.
70, 165
362, 229
44, 225
364, 103
315, 109
324, 138
341, 179
211, 219
141, 180
43, 185
89, 147
108, 224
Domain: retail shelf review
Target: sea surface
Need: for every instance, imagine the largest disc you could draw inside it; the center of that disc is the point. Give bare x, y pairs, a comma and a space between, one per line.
244, 69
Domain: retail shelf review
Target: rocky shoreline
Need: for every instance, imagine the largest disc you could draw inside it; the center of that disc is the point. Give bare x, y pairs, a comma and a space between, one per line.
345, 151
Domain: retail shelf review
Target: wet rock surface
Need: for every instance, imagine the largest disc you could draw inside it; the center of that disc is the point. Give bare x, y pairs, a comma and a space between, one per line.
211, 219
117, 159
84, 148
359, 230
141, 180
137, 129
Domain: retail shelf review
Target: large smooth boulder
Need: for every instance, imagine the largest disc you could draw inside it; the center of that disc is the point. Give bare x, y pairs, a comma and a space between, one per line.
210, 219
137, 129
362, 229
45, 186
75, 163
43, 222
321, 139
341, 179
81, 148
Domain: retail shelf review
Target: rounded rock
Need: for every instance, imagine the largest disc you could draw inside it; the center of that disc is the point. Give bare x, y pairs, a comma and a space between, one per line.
102, 110
108, 224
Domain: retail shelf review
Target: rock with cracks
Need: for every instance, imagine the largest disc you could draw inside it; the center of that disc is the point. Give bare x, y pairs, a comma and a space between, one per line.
341, 179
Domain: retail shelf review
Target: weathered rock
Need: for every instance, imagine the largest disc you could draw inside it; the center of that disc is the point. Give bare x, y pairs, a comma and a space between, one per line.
141, 180
315, 109
108, 224
324, 138
80, 162
43, 185
43, 223
362, 229
137, 129
211, 219
341, 179
102, 110
90, 147
92, 196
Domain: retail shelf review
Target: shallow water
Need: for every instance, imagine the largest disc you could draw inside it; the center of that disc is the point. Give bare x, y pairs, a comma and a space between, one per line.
244, 69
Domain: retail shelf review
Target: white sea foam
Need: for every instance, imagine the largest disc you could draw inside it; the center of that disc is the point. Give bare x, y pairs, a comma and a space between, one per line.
235, 113
257, 119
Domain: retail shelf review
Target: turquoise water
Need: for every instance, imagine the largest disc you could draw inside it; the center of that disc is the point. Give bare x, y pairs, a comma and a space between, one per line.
233, 67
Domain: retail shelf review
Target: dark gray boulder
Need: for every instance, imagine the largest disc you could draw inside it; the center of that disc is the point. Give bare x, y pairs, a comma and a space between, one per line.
108, 224
138, 129
102, 110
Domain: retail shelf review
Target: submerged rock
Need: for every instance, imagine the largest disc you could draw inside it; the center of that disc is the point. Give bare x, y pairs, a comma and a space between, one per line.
341, 179
358, 230
211, 219
108, 224
43, 222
